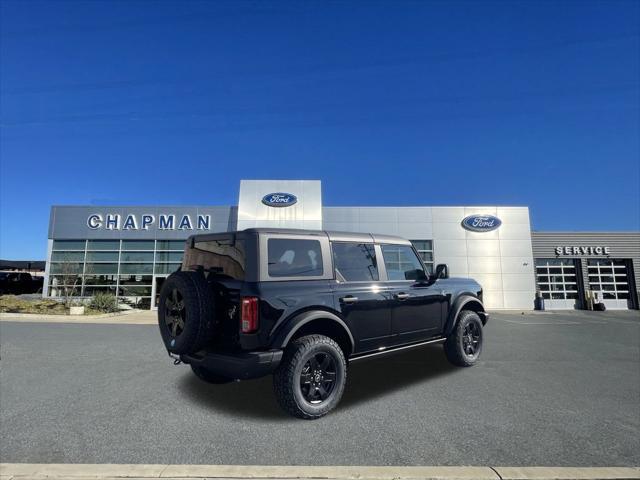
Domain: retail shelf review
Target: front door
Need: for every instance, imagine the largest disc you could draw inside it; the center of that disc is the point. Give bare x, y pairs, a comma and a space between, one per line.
157, 286
360, 296
417, 305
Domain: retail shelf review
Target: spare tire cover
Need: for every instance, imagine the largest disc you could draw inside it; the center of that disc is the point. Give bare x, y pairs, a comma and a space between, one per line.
185, 312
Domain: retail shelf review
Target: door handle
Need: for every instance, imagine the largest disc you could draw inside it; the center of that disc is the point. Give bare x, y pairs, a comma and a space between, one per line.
348, 299
402, 296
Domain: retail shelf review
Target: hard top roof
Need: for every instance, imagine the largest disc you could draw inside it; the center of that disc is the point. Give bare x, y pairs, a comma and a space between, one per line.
333, 236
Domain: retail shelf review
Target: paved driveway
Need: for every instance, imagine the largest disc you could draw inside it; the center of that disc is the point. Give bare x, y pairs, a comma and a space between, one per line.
551, 389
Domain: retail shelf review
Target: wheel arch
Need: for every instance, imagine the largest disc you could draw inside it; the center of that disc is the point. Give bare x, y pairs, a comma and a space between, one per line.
320, 322
465, 301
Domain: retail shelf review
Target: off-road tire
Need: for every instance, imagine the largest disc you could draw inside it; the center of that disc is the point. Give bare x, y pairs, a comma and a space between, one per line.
208, 376
287, 377
198, 314
454, 346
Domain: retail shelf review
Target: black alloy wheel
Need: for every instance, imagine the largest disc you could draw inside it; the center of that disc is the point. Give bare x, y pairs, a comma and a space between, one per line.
318, 377
471, 338
464, 345
175, 313
310, 379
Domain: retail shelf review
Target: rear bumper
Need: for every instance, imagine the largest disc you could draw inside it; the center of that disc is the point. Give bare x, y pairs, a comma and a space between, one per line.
241, 365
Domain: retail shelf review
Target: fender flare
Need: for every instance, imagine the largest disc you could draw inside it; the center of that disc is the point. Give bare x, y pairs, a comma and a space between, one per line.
288, 329
465, 299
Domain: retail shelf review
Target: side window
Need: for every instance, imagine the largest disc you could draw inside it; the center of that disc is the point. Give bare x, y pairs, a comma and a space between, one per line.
425, 250
401, 262
289, 257
355, 262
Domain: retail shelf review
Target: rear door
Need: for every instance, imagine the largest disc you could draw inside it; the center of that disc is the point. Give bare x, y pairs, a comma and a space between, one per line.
361, 297
417, 305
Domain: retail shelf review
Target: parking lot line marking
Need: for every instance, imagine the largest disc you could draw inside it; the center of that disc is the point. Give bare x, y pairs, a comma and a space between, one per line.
537, 323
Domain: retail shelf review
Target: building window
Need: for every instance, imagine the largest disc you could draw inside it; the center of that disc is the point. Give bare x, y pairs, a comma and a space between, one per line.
124, 268
103, 245
425, 250
138, 245
556, 278
176, 245
69, 245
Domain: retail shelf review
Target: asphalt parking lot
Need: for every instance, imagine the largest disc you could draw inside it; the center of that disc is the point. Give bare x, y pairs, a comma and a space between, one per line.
551, 389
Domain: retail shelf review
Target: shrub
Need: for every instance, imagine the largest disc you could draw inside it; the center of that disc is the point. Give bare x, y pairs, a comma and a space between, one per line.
104, 302
13, 304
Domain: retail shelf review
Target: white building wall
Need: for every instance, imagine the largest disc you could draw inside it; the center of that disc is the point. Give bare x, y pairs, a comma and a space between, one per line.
306, 213
500, 260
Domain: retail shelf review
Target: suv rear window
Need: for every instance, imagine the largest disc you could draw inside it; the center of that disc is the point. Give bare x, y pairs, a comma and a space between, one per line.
355, 262
225, 256
290, 257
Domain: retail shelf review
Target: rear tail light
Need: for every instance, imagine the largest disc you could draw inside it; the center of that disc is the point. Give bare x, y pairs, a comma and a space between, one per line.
249, 316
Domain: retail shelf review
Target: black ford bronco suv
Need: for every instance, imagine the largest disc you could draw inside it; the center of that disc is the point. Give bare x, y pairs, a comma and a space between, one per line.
303, 304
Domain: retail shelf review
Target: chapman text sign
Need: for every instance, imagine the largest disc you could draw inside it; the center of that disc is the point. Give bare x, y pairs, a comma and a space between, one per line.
116, 221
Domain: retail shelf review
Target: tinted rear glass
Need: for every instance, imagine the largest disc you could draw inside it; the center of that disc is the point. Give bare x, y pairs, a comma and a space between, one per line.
225, 256
355, 262
294, 257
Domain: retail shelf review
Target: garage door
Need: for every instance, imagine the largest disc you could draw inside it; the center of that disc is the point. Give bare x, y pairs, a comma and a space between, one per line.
557, 283
610, 280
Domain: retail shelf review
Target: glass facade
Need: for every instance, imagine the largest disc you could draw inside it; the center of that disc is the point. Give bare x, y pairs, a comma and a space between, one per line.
125, 268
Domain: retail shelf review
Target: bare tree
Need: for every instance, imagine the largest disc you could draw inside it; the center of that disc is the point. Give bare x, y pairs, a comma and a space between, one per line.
68, 273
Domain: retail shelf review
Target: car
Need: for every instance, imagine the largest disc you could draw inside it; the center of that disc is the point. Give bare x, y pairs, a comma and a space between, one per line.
303, 304
18, 283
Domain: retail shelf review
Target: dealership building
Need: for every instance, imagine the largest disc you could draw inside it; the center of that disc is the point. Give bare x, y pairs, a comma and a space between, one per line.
129, 251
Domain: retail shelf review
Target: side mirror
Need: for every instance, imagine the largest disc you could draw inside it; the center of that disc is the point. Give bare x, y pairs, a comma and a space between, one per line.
442, 271
418, 275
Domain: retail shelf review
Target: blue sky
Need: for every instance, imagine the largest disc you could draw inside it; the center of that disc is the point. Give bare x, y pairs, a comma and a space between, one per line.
388, 103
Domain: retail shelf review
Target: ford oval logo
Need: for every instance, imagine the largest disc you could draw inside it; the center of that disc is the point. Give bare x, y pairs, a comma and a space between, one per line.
279, 199
481, 223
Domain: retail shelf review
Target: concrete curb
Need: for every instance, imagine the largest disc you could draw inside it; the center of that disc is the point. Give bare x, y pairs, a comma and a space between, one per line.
127, 317
567, 473
23, 471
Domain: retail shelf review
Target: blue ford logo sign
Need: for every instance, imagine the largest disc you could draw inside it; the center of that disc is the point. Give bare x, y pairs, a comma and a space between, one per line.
481, 223
279, 199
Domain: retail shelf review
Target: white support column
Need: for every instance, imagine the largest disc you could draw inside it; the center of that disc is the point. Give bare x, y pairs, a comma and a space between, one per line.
47, 267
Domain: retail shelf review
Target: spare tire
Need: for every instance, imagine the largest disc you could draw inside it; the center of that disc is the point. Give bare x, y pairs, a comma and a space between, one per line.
185, 312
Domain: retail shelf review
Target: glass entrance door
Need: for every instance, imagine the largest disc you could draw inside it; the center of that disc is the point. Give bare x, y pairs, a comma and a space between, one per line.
158, 280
